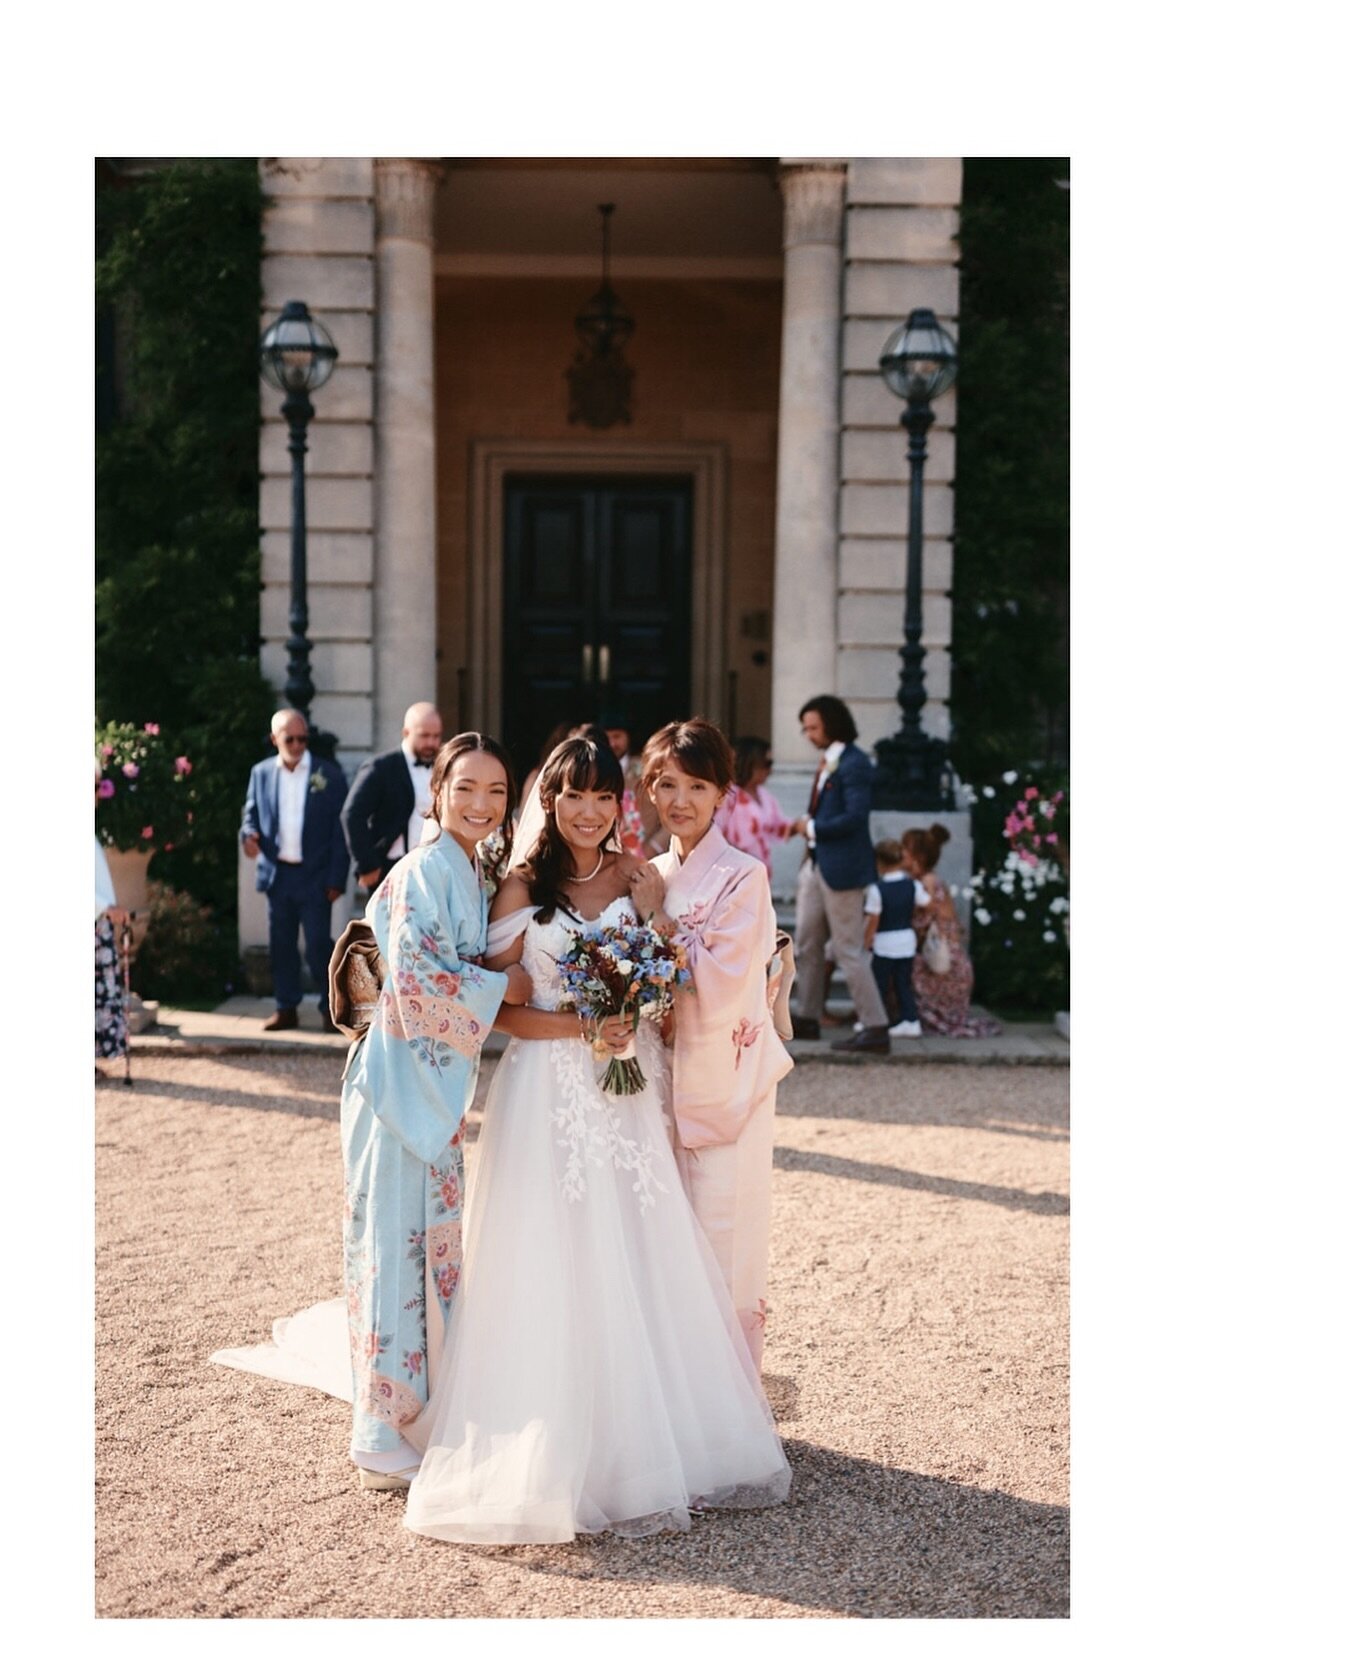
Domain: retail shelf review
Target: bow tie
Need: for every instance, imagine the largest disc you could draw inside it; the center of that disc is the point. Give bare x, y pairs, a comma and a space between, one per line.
425, 763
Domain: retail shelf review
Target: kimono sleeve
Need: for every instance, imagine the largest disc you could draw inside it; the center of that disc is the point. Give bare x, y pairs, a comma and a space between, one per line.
729, 949
418, 1061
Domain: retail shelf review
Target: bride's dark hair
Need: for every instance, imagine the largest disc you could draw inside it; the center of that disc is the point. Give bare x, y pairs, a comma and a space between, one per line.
497, 854
588, 765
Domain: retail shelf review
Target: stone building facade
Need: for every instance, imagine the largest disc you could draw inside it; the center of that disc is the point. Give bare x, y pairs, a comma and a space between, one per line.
762, 290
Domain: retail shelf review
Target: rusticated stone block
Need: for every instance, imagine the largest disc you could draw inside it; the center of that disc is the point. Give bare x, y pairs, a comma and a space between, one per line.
323, 282
881, 510
336, 450
876, 620
319, 227
341, 557
869, 562
868, 401
334, 610
331, 504
905, 180
318, 177
886, 235
892, 290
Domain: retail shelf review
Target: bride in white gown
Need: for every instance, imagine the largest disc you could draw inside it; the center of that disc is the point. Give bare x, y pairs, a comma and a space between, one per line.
594, 1376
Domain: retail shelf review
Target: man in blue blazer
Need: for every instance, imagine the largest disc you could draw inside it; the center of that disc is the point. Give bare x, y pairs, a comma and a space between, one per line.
839, 864
292, 825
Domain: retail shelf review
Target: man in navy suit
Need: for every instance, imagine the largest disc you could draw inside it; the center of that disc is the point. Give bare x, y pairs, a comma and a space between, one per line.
390, 797
839, 864
292, 825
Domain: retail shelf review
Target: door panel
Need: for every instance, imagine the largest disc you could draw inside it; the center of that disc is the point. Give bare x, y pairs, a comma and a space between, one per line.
597, 605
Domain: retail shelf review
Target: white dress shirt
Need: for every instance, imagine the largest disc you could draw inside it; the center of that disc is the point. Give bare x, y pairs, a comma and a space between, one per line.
292, 790
830, 757
420, 801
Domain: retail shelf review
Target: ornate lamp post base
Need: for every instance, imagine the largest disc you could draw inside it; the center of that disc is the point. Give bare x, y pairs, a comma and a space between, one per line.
912, 774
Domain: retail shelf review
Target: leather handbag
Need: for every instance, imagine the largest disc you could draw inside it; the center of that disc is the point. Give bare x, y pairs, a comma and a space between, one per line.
935, 951
355, 977
780, 979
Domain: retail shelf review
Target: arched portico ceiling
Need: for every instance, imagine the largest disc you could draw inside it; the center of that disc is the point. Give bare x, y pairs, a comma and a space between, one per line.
676, 217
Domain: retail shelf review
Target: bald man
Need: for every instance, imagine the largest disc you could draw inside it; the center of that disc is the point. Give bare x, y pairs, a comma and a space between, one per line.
390, 795
292, 826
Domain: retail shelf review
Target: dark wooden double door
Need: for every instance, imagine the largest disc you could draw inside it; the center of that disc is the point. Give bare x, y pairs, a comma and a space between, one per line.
597, 606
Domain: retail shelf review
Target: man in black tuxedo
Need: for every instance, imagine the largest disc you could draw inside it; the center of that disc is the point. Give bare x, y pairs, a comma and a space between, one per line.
390, 797
839, 864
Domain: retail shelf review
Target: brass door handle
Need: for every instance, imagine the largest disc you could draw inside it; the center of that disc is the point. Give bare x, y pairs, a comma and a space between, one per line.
587, 663
603, 663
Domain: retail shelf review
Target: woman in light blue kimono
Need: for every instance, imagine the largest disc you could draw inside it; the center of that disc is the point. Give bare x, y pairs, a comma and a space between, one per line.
407, 1089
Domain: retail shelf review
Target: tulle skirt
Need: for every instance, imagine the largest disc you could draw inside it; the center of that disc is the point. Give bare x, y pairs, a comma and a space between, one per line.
594, 1376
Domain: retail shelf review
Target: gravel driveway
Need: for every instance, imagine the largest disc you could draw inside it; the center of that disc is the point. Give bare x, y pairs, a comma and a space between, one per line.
916, 1360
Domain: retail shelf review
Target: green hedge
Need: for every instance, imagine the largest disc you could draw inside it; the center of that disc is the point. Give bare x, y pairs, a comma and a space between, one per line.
1010, 669
177, 563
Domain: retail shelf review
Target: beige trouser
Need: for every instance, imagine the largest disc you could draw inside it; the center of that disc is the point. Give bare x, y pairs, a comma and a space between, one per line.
820, 914
730, 1188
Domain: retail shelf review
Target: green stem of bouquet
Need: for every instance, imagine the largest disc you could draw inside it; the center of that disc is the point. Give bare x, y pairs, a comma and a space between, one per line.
624, 1078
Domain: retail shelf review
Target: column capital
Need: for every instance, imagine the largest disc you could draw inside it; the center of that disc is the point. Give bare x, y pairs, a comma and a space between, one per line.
814, 194
404, 197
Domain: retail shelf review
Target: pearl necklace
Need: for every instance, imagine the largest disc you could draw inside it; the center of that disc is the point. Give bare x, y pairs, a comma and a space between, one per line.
580, 879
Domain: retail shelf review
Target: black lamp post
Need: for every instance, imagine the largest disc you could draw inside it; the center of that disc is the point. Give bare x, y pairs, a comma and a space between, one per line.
918, 362
298, 356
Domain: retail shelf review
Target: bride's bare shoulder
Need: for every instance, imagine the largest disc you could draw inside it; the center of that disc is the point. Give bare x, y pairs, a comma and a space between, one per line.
627, 867
513, 893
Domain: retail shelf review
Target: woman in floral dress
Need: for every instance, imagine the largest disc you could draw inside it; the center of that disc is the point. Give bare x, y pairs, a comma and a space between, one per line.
942, 999
109, 1000
750, 818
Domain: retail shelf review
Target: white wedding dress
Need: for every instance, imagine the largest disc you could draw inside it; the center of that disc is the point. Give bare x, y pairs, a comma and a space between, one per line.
594, 1377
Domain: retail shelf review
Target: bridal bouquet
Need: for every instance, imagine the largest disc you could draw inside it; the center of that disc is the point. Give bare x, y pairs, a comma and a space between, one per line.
624, 970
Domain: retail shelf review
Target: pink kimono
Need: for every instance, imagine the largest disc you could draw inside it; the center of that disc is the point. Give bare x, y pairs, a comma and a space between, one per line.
727, 1061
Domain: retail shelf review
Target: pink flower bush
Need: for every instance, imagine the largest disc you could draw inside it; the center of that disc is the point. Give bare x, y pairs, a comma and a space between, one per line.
153, 798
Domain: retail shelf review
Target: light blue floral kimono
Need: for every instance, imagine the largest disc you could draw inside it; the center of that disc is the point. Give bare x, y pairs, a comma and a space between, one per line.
408, 1086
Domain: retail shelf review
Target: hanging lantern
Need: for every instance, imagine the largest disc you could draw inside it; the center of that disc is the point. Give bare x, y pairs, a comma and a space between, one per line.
599, 378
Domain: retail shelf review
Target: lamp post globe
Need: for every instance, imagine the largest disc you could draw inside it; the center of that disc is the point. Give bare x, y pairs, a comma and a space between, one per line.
297, 356
919, 363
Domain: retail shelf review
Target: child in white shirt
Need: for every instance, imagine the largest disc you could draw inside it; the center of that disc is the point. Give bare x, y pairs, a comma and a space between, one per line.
890, 938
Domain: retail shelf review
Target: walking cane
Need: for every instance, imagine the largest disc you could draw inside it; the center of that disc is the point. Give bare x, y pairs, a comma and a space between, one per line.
126, 992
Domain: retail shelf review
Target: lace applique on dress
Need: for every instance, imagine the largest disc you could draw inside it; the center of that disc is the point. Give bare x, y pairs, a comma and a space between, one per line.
589, 1124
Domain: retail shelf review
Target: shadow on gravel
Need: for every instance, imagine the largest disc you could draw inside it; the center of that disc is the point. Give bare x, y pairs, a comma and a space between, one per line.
305, 1105
856, 1539
832, 1165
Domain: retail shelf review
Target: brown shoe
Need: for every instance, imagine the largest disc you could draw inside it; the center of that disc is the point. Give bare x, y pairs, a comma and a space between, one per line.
329, 1025
874, 1040
284, 1020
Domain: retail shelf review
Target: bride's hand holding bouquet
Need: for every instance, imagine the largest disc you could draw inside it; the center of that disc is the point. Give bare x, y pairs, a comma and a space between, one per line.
610, 980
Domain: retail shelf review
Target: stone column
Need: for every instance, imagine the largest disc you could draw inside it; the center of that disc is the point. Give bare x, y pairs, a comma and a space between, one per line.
404, 441
804, 611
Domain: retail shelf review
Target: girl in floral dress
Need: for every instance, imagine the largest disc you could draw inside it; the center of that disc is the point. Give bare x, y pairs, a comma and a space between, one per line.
942, 999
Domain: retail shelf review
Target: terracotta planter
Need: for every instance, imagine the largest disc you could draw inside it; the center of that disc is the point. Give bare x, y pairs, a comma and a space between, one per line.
130, 882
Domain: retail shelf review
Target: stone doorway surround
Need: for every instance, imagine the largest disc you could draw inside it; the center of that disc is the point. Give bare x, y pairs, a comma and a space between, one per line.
492, 460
